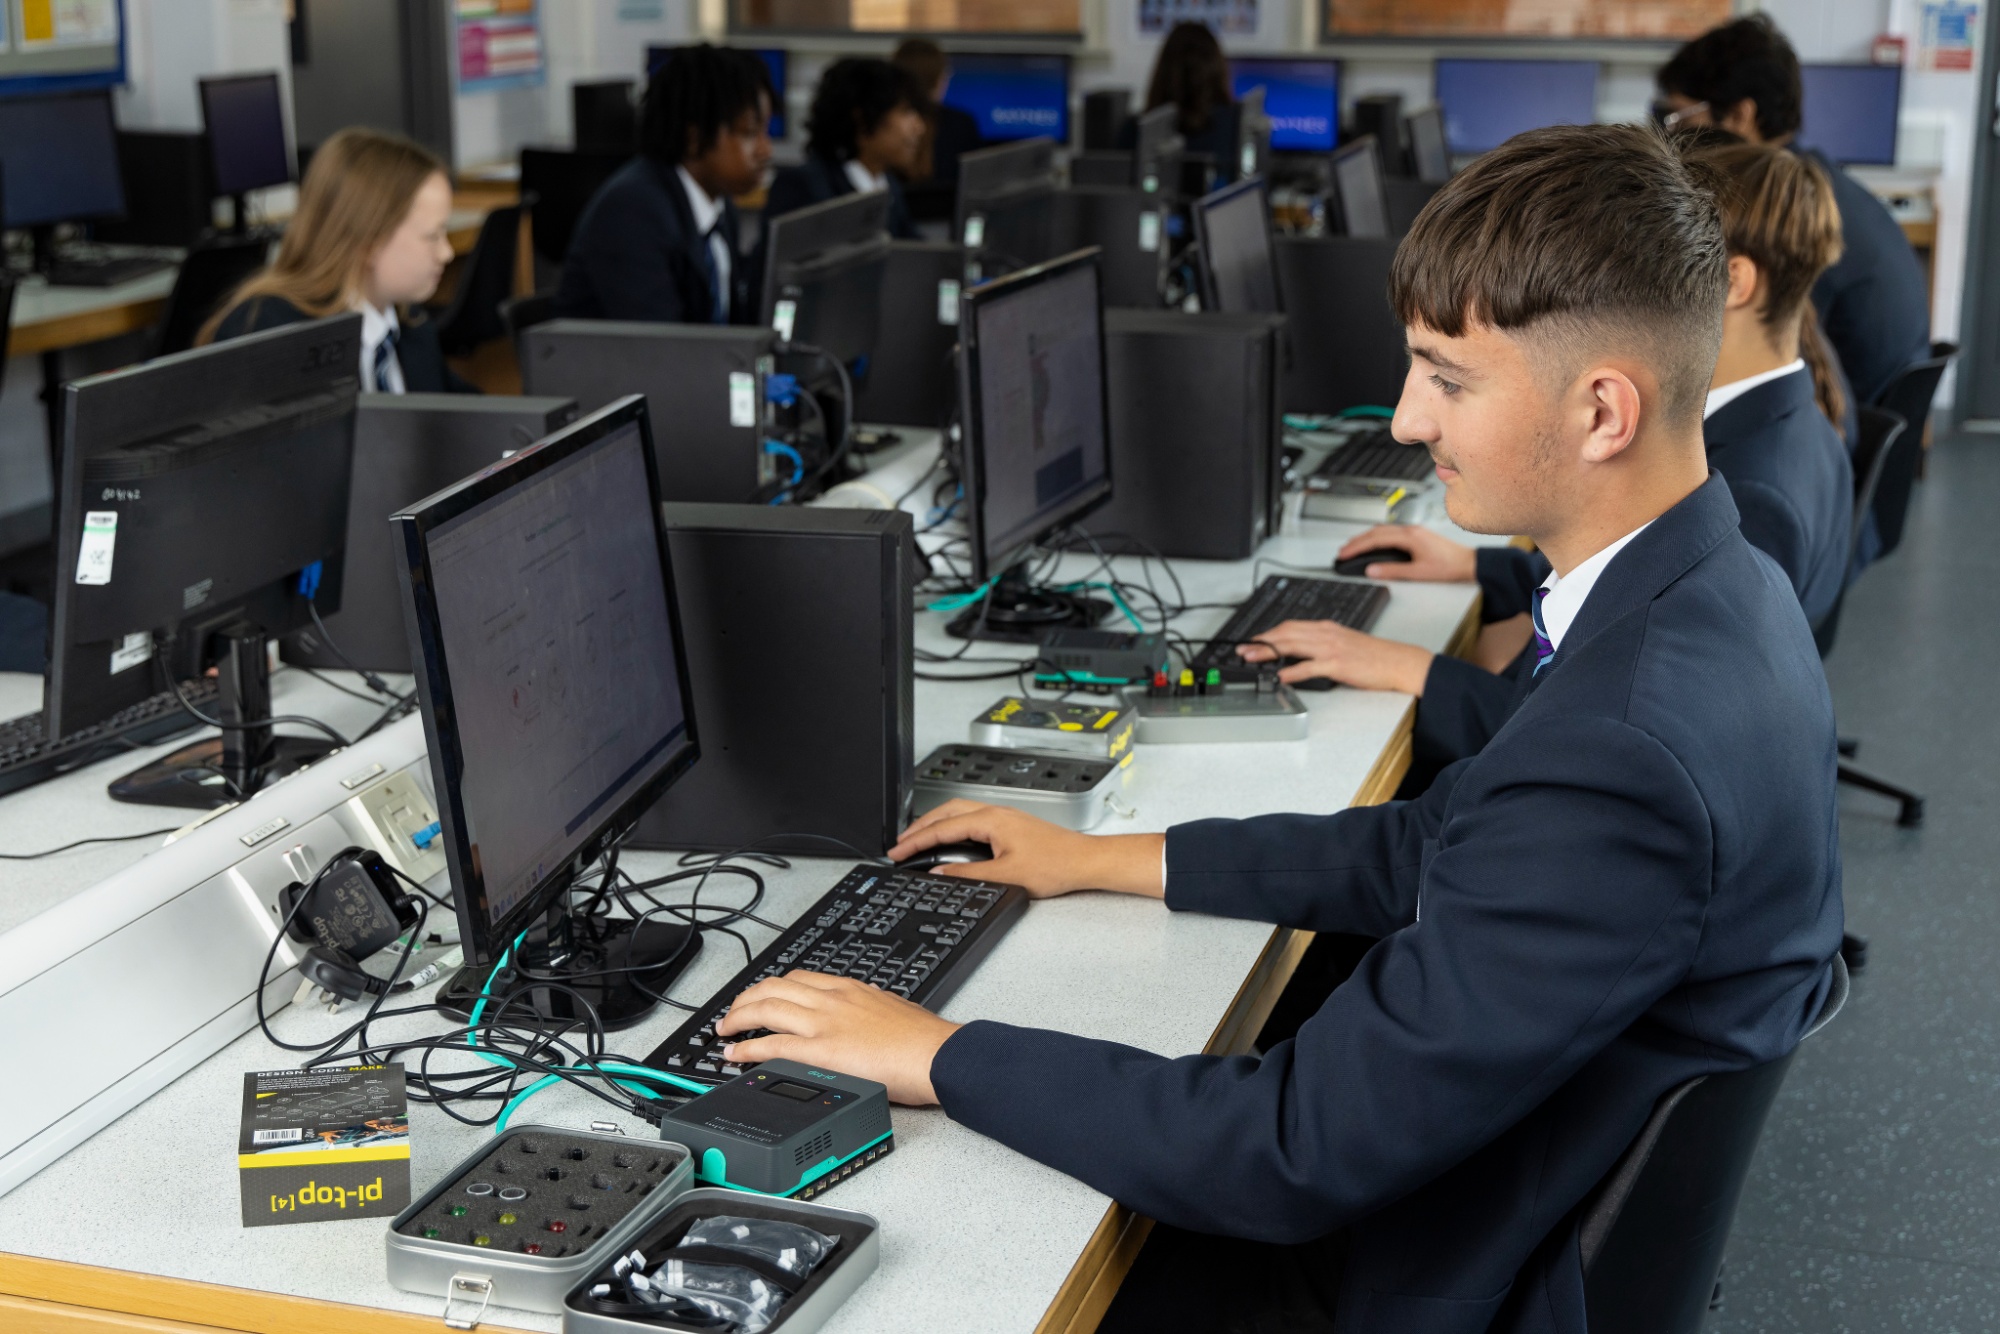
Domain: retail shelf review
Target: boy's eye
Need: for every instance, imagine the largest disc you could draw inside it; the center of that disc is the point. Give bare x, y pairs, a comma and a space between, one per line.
1442, 385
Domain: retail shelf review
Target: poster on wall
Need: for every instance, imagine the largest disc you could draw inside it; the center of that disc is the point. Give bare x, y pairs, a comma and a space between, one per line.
1649, 19
1945, 36
49, 24
499, 44
1226, 17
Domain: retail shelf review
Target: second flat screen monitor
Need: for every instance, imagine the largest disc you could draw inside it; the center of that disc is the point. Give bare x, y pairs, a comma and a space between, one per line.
1234, 227
1850, 112
1012, 96
1488, 102
1301, 99
245, 123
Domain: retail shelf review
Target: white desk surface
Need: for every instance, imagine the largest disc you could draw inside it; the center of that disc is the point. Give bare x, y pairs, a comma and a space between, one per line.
35, 300
976, 1237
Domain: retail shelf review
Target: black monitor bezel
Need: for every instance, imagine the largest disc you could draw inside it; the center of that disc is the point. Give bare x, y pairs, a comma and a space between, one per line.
863, 246
103, 97
1354, 148
1228, 194
483, 940
987, 564
208, 82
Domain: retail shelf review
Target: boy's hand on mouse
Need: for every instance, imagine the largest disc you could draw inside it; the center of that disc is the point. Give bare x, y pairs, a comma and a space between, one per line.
1433, 558
1330, 650
1042, 858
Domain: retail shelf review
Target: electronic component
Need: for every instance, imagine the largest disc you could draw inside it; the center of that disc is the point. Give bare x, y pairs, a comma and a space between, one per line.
1191, 710
1077, 659
324, 1143
400, 819
1356, 566
783, 1128
916, 935
532, 1211
1103, 731
1357, 500
1285, 597
1068, 790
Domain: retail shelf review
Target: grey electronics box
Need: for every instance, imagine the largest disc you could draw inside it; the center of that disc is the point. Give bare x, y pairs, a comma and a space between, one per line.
461, 1272
704, 388
812, 738
1236, 714
838, 1276
1073, 791
407, 446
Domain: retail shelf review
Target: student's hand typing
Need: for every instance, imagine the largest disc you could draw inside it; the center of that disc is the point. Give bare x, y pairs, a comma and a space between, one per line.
1040, 857
1333, 651
1433, 558
839, 1024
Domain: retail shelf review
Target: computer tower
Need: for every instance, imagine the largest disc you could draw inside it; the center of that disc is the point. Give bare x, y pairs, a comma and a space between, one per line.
407, 446
168, 191
1105, 112
704, 386
910, 372
799, 628
1195, 432
1381, 114
603, 117
1102, 167
1346, 344
1130, 226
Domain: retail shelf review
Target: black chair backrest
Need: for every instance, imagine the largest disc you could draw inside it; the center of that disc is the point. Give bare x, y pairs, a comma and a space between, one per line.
1909, 396
1652, 1236
486, 280
522, 313
1881, 437
562, 182
209, 273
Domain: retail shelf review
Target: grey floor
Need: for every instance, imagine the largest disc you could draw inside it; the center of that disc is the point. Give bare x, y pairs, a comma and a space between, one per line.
1874, 1201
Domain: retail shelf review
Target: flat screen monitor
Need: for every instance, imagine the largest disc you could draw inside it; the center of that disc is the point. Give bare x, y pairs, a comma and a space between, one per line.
1238, 261
1433, 159
1302, 98
1487, 102
1253, 138
245, 122
551, 671
1850, 112
823, 274
1357, 183
59, 159
1012, 96
1032, 377
1006, 200
1156, 161
777, 64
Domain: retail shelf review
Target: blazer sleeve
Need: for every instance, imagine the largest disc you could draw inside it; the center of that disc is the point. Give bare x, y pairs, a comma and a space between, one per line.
1508, 578
1773, 525
1450, 1031
1463, 705
631, 257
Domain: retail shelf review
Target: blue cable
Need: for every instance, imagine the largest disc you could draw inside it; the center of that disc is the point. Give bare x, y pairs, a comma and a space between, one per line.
960, 601
798, 461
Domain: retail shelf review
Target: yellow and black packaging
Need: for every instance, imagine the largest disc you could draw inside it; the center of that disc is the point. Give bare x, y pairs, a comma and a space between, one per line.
1100, 730
320, 1144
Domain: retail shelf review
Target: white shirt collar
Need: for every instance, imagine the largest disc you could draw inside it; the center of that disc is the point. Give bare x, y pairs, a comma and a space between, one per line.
706, 210
1735, 389
864, 180
1567, 592
377, 325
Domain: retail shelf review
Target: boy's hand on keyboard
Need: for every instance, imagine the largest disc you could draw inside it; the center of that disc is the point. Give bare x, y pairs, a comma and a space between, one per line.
839, 1024
1332, 651
1434, 558
1042, 858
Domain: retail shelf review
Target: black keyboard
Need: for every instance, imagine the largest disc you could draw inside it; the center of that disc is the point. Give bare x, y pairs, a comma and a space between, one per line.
108, 272
1376, 454
27, 756
915, 934
1288, 597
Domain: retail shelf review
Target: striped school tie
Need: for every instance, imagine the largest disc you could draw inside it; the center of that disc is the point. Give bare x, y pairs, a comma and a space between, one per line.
385, 353
1544, 650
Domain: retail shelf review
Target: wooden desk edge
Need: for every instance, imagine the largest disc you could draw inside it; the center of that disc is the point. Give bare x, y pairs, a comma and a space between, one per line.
89, 326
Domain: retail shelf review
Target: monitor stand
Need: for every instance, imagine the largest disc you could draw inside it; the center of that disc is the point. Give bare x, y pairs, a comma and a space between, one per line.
230, 767
1014, 611
565, 942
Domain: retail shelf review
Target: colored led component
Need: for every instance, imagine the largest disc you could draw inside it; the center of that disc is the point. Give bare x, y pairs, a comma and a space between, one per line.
1214, 676
456, 1211
509, 1218
481, 1239
433, 1232
533, 1248
557, 1225
1187, 678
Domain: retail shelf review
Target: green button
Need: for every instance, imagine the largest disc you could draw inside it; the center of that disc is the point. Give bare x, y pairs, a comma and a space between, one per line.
1215, 676
456, 1211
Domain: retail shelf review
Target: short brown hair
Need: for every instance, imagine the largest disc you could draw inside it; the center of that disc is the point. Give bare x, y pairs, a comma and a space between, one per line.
1588, 232
1778, 212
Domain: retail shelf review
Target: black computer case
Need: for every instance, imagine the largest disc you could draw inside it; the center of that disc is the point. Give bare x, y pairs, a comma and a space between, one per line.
1346, 344
704, 386
407, 446
798, 624
168, 189
910, 376
1195, 432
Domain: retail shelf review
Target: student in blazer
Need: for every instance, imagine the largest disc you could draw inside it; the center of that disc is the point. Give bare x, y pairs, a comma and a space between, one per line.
864, 134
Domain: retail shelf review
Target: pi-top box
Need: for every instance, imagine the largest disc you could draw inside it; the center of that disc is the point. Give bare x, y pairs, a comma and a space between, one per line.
1102, 730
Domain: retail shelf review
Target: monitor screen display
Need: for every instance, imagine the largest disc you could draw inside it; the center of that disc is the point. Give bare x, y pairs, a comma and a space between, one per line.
1301, 97
59, 159
1041, 428
246, 133
1012, 97
1235, 232
557, 638
1850, 112
776, 64
1488, 102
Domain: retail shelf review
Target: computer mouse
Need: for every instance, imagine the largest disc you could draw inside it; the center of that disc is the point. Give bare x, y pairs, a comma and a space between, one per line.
947, 854
1356, 566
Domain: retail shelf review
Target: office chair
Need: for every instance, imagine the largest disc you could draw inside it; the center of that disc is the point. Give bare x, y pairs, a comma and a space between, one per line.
209, 273
1652, 1234
521, 313
562, 183
1909, 397
473, 317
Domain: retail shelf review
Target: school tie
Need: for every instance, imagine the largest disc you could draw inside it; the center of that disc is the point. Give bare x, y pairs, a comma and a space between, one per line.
1544, 650
385, 356
718, 309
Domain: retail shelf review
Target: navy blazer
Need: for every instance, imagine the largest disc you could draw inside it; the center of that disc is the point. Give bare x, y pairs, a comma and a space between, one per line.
417, 349
635, 254
1789, 473
1636, 883
1872, 303
819, 179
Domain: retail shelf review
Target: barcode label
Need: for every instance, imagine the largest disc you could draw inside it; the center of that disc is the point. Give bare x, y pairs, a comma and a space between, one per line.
292, 1136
